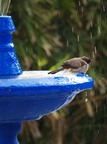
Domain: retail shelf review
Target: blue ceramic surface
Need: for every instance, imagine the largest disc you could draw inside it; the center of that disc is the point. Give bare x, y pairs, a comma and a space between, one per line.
9, 64
8, 133
35, 93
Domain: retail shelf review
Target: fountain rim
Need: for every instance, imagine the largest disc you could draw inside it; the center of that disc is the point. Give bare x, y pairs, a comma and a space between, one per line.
19, 87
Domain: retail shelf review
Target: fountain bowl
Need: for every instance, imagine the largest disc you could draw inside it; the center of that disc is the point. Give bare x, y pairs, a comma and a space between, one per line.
36, 93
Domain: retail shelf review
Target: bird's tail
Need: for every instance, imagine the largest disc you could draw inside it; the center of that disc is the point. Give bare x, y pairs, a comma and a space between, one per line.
55, 71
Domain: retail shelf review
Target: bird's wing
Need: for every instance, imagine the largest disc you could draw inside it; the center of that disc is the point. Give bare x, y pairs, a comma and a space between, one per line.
73, 63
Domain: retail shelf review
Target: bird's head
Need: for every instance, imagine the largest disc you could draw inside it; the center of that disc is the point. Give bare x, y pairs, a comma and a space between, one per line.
87, 59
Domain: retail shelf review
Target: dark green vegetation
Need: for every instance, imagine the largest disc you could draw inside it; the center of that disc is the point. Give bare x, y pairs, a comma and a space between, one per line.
49, 32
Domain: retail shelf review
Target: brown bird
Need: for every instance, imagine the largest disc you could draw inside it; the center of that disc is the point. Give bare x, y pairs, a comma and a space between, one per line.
75, 65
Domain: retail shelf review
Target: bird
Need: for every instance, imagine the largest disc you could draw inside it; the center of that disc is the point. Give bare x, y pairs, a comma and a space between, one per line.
74, 65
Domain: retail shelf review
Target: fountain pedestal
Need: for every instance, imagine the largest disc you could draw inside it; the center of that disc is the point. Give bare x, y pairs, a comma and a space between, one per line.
29, 95
8, 133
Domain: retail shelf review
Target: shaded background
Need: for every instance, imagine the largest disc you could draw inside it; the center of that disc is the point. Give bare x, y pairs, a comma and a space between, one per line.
49, 32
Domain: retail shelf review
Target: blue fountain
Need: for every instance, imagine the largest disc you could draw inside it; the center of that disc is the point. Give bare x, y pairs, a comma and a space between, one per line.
29, 95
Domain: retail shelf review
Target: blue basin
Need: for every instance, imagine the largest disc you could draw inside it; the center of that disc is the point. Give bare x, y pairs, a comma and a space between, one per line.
35, 93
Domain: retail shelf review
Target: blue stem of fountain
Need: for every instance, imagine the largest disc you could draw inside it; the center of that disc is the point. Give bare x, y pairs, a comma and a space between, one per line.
8, 133
9, 64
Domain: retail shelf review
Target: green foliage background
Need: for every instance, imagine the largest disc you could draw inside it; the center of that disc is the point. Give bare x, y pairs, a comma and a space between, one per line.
49, 32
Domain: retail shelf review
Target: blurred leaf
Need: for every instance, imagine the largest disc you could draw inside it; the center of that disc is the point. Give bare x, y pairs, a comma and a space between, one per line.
42, 62
4, 6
